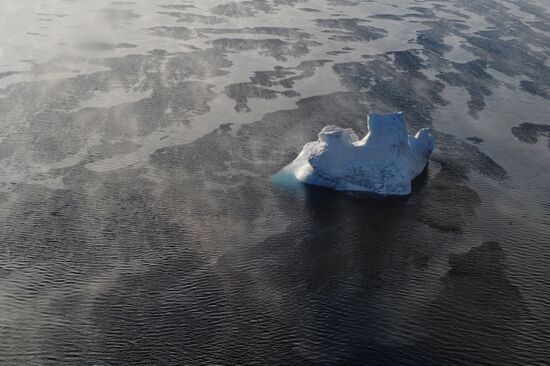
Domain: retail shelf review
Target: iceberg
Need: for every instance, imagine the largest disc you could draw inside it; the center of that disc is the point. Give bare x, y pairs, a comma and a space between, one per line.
383, 163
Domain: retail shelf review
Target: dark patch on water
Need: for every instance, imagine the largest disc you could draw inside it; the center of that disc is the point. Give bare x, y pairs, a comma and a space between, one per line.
408, 61
172, 32
287, 76
335, 53
286, 33
272, 77
465, 157
120, 15
505, 54
475, 139
52, 15
389, 88
243, 9
194, 18
477, 295
104, 46
433, 39
530, 132
310, 10
444, 9
534, 88
8, 73
241, 92
122, 3
275, 48
178, 6
447, 190
70, 125
350, 29
387, 17
343, 2
473, 77
426, 12
306, 69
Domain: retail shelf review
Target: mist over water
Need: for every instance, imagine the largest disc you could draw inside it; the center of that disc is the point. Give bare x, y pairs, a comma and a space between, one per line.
142, 221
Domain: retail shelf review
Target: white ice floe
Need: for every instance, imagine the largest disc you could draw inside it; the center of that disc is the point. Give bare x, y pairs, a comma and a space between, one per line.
384, 162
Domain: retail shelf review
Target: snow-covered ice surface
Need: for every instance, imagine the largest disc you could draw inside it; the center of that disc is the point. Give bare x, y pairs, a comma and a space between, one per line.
383, 163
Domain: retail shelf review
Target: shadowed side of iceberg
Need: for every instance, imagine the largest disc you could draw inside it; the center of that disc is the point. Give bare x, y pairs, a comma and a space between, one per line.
384, 162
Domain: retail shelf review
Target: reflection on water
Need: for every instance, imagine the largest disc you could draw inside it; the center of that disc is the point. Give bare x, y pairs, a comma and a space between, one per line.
142, 223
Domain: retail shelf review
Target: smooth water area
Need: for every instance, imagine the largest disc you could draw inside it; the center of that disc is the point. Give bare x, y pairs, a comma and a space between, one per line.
142, 220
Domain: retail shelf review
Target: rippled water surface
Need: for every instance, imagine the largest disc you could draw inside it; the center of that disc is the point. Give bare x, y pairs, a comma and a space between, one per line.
140, 223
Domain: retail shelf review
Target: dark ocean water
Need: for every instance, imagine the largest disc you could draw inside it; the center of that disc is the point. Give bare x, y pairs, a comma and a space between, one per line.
142, 221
